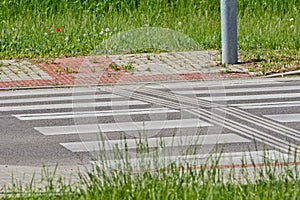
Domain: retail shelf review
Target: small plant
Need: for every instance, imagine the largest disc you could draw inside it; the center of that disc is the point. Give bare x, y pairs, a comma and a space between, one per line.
251, 69
114, 66
128, 67
93, 70
148, 57
148, 69
93, 60
57, 71
67, 70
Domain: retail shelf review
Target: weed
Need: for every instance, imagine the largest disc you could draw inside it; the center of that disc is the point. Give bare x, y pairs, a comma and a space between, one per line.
93, 60
128, 67
67, 70
93, 70
114, 66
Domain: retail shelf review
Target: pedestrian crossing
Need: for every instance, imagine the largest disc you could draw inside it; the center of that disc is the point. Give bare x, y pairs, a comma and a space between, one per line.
121, 126
174, 111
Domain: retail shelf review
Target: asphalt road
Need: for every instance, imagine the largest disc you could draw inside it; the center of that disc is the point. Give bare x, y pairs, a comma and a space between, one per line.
70, 126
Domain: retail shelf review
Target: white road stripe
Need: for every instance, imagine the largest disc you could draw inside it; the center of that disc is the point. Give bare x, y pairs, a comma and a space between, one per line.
265, 123
295, 117
242, 129
247, 131
121, 126
65, 115
154, 142
72, 105
44, 91
185, 84
59, 98
260, 105
238, 90
252, 97
227, 158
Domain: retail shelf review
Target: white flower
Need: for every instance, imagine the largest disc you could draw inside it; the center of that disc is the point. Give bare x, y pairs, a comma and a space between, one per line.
115, 29
84, 35
78, 40
66, 39
107, 30
292, 19
179, 24
45, 34
101, 32
292, 26
52, 31
146, 25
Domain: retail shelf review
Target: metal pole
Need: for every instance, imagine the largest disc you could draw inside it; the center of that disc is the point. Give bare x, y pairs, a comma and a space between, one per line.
229, 32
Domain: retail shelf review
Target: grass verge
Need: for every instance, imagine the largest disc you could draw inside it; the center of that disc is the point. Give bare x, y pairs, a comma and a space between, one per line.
270, 180
35, 29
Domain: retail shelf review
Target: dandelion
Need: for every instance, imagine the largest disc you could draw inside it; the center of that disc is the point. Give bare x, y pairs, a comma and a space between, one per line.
57, 30
292, 19
107, 30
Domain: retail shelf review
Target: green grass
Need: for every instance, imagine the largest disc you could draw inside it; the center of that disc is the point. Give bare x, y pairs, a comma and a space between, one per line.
28, 26
113, 176
278, 182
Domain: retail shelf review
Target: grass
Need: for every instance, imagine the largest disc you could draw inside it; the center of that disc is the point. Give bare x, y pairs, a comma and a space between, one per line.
277, 177
177, 182
29, 26
89, 27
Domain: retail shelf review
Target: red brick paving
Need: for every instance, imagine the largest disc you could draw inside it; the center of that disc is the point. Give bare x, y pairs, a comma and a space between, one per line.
96, 70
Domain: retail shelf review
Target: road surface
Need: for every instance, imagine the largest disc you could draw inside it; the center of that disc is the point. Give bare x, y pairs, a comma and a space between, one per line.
180, 120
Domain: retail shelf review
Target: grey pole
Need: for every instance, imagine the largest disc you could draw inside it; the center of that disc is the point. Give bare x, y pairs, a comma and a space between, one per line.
229, 32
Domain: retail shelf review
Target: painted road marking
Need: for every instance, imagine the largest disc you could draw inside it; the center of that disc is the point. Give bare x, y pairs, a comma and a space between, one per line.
261, 105
122, 127
104, 113
73, 105
295, 117
186, 84
251, 97
154, 142
238, 90
60, 98
226, 159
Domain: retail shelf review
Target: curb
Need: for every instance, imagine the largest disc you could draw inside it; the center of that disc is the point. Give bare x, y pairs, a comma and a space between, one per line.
292, 73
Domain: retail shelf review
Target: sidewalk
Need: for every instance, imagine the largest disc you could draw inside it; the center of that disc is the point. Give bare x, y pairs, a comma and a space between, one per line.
98, 70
